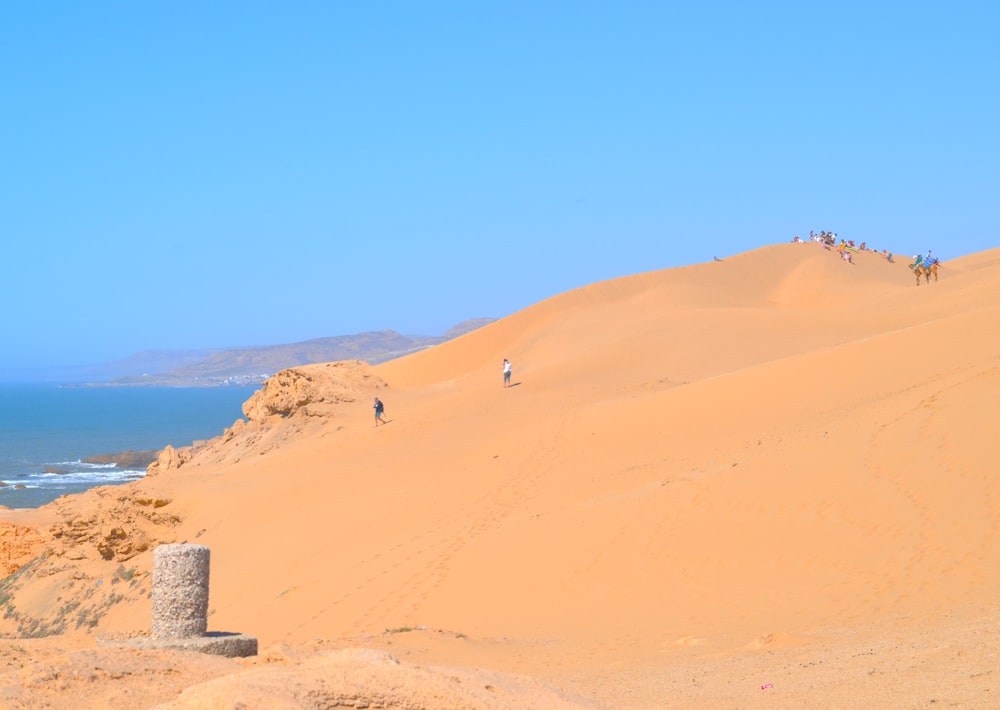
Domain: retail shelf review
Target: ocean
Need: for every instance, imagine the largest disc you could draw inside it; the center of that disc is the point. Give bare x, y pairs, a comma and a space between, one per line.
45, 426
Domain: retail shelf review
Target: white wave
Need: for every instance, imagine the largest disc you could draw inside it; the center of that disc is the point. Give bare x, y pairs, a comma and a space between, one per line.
100, 475
84, 464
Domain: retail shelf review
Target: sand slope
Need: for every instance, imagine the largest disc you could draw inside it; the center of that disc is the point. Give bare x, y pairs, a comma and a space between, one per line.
764, 463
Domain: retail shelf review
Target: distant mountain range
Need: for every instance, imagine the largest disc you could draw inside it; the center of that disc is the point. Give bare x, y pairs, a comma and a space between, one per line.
253, 365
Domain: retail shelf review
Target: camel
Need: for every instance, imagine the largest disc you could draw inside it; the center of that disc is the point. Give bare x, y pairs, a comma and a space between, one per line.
926, 270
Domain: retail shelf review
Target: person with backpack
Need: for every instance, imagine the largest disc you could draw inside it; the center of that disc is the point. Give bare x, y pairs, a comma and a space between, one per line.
379, 410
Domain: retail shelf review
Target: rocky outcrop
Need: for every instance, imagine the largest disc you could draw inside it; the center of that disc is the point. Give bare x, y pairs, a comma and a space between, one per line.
92, 545
122, 521
87, 555
312, 391
289, 401
169, 458
118, 523
18, 545
126, 459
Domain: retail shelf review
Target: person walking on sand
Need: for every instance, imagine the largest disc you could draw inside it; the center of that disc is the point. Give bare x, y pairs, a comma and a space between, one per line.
379, 409
506, 372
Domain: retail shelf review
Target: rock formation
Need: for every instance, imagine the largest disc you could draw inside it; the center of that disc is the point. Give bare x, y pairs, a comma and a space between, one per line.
114, 524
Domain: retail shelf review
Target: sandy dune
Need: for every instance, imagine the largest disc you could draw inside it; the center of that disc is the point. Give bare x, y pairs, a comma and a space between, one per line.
766, 471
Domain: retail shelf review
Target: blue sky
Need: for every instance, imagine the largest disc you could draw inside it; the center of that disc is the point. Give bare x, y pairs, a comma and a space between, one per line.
187, 175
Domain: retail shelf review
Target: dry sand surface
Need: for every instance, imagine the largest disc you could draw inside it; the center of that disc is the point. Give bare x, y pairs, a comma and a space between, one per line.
765, 482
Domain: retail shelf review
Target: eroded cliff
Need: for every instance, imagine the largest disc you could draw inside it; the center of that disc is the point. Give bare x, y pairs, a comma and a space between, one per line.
69, 574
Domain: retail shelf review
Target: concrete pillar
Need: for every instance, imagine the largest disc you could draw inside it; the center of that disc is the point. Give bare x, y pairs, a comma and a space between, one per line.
180, 591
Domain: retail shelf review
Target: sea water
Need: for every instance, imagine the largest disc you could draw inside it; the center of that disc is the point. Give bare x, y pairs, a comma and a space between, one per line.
50, 427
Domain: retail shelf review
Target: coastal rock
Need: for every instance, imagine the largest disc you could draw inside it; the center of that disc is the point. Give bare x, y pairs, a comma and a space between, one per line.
124, 523
289, 404
110, 524
310, 391
170, 458
117, 524
280, 409
126, 459
235, 430
20, 544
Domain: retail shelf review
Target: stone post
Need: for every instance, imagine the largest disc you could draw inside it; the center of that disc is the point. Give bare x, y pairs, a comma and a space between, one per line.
180, 607
180, 591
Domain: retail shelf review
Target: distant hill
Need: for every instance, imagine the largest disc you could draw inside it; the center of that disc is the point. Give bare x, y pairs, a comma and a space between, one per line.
253, 365
154, 361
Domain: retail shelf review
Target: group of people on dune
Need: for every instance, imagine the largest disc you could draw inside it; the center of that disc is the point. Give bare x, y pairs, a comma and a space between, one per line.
844, 246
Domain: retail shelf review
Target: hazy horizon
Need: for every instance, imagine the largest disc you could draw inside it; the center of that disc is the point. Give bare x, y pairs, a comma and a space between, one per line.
165, 360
